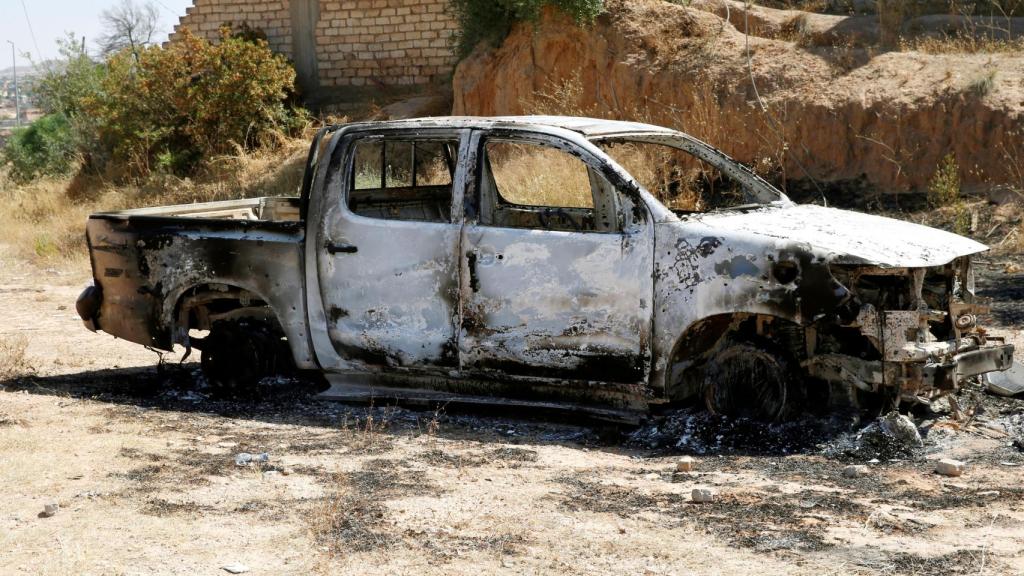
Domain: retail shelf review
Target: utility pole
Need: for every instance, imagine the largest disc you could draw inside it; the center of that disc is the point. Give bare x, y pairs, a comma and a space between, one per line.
17, 97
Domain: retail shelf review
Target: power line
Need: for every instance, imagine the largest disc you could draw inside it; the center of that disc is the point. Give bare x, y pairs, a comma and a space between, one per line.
164, 6
39, 53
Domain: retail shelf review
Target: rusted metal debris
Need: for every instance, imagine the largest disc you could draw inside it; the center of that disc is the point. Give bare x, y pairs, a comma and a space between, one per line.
432, 280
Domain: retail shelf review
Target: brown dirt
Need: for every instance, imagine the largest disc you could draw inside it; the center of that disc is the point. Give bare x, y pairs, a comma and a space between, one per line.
850, 115
141, 462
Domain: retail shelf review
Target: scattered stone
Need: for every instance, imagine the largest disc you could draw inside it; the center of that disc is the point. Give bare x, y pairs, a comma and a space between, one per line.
235, 568
49, 510
653, 476
244, 458
856, 471
949, 467
702, 495
686, 464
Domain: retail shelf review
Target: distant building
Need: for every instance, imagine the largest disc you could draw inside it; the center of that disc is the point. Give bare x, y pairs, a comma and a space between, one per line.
335, 44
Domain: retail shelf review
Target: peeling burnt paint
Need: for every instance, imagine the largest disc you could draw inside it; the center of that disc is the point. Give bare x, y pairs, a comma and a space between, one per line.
620, 313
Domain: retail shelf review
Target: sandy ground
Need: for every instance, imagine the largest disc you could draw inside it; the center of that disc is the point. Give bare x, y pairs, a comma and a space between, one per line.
143, 467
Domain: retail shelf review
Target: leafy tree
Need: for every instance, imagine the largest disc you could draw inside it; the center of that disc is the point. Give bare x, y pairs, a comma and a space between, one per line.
43, 148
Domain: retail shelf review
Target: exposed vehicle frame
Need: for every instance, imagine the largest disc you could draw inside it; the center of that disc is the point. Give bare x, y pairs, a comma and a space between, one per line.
765, 309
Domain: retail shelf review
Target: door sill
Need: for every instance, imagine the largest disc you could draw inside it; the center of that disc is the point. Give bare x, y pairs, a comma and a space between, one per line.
362, 388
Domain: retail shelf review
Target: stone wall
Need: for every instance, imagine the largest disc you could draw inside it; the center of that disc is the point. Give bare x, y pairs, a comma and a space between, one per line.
342, 43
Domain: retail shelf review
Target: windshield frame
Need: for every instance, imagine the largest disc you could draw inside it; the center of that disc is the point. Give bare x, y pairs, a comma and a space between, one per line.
764, 193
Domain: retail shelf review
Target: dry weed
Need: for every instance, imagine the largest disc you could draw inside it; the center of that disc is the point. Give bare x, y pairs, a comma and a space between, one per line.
14, 362
349, 520
45, 222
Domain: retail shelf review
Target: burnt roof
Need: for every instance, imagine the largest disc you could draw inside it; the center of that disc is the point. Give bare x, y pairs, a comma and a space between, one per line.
589, 127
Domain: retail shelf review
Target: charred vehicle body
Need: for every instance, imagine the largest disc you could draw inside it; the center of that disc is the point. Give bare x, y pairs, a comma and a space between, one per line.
604, 265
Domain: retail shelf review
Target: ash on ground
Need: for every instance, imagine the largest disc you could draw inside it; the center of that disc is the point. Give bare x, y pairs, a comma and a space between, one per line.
694, 431
890, 437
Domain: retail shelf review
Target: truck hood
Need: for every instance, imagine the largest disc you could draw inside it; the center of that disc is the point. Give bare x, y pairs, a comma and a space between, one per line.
847, 237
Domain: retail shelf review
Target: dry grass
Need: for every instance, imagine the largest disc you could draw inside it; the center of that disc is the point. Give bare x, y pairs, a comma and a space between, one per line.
534, 176
45, 220
14, 362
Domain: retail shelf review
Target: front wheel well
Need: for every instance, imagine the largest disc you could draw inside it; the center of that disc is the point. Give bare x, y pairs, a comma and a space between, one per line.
703, 338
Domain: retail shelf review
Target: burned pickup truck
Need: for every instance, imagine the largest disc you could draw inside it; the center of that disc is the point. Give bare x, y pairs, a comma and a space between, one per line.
549, 260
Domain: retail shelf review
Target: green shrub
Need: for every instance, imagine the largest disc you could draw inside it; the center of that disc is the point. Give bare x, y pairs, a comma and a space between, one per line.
490, 20
944, 187
44, 148
171, 108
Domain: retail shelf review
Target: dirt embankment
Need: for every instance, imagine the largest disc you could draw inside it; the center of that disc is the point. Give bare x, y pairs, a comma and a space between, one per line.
839, 108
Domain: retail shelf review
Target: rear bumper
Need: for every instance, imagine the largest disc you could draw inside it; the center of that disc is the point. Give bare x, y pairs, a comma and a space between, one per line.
88, 306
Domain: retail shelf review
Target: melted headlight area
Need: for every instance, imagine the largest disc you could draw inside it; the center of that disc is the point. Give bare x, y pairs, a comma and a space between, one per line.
911, 332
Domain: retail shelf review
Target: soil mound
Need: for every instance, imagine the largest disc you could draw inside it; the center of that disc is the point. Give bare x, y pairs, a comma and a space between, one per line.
817, 97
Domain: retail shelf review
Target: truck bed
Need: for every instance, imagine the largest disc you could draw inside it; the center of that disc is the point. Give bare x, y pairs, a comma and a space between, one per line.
270, 208
147, 261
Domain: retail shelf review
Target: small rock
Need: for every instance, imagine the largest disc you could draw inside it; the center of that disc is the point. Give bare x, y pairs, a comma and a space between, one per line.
49, 510
686, 464
989, 494
653, 476
235, 568
702, 495
244, 458
856, 471
949, 467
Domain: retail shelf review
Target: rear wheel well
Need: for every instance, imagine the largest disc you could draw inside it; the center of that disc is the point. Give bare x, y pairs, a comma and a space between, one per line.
200, 307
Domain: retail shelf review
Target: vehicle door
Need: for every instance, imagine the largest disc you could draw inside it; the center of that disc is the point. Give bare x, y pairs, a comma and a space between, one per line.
558, 264
387, 251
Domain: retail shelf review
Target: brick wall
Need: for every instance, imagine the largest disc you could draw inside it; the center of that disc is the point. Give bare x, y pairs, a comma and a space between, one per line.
205, 18
357, 42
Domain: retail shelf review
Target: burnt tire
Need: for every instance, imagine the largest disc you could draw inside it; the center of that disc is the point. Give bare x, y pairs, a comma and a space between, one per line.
238, 354
750, 379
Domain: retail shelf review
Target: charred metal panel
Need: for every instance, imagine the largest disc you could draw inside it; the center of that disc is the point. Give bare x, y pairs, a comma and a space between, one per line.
160, 258
559, 304
391, 298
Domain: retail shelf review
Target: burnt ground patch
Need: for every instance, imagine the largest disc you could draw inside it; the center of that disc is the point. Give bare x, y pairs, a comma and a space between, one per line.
1006, 291
162, 507
761, 522
955, 563
353, 516
693, 430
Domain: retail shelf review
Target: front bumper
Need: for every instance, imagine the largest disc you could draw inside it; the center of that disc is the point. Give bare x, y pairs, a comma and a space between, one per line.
933, 370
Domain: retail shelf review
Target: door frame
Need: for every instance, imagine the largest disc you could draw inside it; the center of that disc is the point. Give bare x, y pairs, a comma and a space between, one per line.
623, 184
330, 184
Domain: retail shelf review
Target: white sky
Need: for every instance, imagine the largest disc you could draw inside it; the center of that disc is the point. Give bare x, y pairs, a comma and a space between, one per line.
50, 19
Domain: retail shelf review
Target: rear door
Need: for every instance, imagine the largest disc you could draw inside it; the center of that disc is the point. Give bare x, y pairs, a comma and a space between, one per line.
387, 251
557, 266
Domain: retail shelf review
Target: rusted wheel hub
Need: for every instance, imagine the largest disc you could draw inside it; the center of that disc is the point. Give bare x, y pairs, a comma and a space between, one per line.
744, 380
